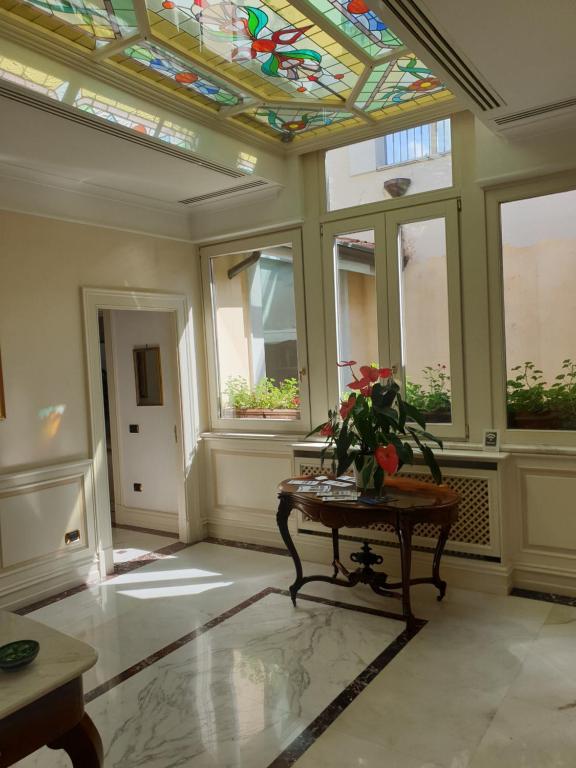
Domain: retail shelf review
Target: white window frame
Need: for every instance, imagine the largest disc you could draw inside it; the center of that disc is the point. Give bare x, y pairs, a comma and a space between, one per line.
292, 237
514, 438
385, 225
448, 210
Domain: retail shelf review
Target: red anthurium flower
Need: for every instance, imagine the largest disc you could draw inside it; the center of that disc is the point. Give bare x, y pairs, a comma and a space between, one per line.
387, 458
369, 373
385, 373
346, 363
347, 406
364, 385
327, 430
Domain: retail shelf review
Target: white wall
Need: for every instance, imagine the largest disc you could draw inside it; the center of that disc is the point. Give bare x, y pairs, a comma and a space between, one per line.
43, 265
150, 456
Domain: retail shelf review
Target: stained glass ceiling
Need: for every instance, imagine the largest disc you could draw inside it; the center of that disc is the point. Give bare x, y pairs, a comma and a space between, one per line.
290, 69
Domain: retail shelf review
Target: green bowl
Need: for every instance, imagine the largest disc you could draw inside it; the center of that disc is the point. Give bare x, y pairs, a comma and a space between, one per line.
18, 654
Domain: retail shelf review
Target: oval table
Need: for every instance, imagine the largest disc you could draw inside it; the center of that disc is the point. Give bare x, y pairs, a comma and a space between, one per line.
406, 502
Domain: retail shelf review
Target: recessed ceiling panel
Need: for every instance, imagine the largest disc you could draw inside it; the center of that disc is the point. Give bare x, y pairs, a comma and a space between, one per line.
287, 69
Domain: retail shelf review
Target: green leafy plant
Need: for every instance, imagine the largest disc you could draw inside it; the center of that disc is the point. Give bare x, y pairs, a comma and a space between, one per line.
373, 426
266, 395
434, 395
526, 392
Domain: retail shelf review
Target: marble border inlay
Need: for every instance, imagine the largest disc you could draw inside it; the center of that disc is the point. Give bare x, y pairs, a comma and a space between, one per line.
311, 732
546, 597
246, 545
119, 569
152, 531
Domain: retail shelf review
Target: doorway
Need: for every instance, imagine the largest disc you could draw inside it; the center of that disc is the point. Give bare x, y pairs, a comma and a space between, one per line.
148, 391
142, 424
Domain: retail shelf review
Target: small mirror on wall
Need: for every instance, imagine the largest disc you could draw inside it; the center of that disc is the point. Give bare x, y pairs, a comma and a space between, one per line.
148, 370
2, 401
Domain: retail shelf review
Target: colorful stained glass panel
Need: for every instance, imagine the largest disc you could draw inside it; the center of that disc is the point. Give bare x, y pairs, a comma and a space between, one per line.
362, 25
116, 112
167, 64
104, 20
32, 79
280, 46
290, 122
396, 82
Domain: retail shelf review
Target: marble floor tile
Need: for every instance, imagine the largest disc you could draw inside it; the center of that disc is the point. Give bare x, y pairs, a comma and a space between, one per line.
239, 694
528, 736
335, 749
129, 544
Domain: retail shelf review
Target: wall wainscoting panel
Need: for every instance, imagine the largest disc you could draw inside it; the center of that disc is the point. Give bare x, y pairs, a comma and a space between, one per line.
544, 523
47, 531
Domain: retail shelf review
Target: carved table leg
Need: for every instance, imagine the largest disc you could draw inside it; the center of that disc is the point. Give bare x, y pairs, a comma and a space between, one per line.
405, 535
442, 539
82, 744
335, 550
284, 509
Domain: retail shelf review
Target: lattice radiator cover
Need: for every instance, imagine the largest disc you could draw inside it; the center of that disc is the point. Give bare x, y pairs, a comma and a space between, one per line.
477, 531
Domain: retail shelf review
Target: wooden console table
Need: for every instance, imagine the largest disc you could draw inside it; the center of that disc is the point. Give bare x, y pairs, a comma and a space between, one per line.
406, 503
42, 704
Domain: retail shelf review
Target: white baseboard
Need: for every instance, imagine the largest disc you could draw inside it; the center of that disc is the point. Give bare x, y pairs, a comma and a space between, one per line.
38, 581
147, 518
538, 578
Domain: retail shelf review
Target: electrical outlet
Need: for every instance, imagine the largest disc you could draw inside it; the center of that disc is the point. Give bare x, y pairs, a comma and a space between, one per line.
72, 537
138, 487
134, 428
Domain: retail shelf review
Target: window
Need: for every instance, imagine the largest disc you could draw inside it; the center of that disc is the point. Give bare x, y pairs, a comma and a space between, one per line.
413, 144
396, 302
406, 162
538, 236
255, 323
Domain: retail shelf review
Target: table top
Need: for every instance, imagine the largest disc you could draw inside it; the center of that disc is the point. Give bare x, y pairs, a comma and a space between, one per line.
401, 496
61, 659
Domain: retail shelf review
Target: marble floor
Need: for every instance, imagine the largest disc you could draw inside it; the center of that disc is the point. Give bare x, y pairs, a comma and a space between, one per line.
203, 662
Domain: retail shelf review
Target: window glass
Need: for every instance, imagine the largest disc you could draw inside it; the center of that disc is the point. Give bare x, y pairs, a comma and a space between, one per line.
406, 162
539, 273
255, 326
356, 300
424, 317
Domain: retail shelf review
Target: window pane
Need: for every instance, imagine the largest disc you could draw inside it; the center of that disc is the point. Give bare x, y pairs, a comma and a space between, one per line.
539, 271
255, 324
424, 317
402, 163
356, 300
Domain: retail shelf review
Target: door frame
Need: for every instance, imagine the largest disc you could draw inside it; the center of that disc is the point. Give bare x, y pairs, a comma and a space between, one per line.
189, 518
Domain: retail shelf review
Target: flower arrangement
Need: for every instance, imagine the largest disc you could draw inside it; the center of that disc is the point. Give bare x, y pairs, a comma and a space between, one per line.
372, 426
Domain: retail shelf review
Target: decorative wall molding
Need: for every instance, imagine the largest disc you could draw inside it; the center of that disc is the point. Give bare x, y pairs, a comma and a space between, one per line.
54, 565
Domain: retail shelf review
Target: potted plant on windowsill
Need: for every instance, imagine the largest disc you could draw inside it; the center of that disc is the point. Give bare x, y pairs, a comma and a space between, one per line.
371, 429
267, 400
532, 404
433, 397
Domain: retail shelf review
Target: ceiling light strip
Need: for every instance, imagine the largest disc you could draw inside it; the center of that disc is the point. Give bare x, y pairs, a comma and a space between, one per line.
74, 115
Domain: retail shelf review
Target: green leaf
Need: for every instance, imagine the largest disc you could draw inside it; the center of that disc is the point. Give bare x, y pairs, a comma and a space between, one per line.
415, 415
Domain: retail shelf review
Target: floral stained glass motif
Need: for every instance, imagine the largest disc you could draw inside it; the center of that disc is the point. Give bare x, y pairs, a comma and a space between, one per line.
396, 82
290, 122
32, 79
295, 55
116, 112
354, 18
169, 65
104, 20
